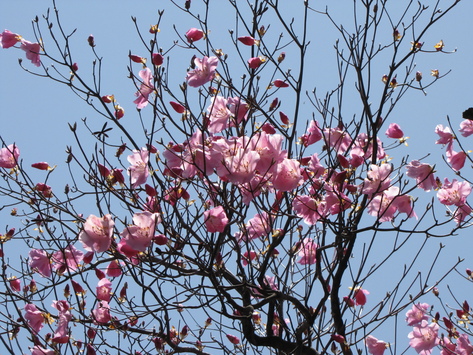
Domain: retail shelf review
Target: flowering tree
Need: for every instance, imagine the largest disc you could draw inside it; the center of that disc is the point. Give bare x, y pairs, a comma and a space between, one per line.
234, 221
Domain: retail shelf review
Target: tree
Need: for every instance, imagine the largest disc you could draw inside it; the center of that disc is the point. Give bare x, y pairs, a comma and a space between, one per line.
231, 221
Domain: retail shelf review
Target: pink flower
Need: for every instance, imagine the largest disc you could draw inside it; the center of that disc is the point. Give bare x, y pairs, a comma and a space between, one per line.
394, 131
240, 167
104, 290
255, 62
423, 173
204, 71
138, 170
32, 51
62, 332
102, 313
157, 59
424, 337
34, 317
177, 107
40, 262
233, 339
445, 134
41, 166
337, 139
461, 213
456, 159
194, 34
139, 236
360, 296
97, 233
219, 115
386, 204
248, 40
113, 269
280, 83
257, 227
146, 88
378, 179
375, 346
271, 282
313, 135
287, 175
454, 193
466, 128
464, 346
9, 39
417, 314
38, 350
9, 156
308, 252
67, 258
238, 109
15, 284
309, 208
248, 257
215, 220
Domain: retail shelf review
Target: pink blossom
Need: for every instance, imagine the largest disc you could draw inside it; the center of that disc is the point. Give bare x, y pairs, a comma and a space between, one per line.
456, 159
194, 34
138, 170
67, 258
32, 51
240, 167
454, 193
113, 269
146, 88
309, 208
308, 252
38, 350
464, 346
139, 236
238, 109
177, 107
255, 62
448, 348
40, 262
417, 314
445, 134
248, 257
157, 59
280, 83
9, 156
248, 40
34, 317
204, 71
375, 346
466, 128
15, 284
233, 339
9, 39
215, 220
338, 139
219, 115
271, 282
313, 135
97, 233
424, 337
102, 313
461, 213
104, 290
257, 227
423, 173
386, 204
287, 175
360, 296
394, 131
62, 331
378, 179
41, 166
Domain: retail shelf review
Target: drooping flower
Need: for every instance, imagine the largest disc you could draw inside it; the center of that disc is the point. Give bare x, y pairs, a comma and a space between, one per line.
360, 296
9, 156
455, 159
138, 170
9, 39
146, 88
424, 337
375, 346
34, 317
308, 251
423, 173
313, 135
204, 71
445, 134
97, 233
215, 220
61, 335
32, 51
113, 269
40, 262
466, 128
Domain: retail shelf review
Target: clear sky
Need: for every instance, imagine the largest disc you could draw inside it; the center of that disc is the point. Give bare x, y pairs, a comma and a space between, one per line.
35, 111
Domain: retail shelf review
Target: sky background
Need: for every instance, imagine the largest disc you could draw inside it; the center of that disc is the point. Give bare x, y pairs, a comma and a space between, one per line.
35, 111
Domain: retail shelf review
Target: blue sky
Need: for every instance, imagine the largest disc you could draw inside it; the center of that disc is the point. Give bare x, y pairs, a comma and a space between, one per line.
35, 111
